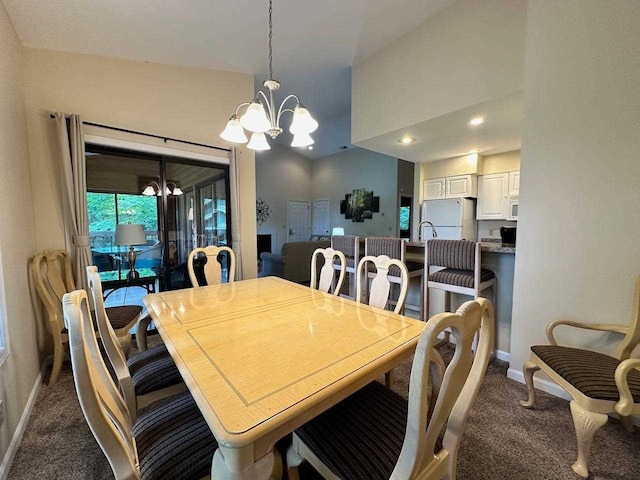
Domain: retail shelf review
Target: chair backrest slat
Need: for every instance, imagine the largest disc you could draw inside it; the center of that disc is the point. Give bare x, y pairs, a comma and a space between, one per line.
458, 254
454, 392
327, 272
102, 405
380, 285
212, 268
112, 346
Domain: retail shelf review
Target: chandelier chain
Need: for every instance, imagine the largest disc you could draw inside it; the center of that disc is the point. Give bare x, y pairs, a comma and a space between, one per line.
270, 39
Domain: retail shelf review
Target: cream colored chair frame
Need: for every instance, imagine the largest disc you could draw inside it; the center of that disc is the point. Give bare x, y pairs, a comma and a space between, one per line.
410, 275
117, 356
327, 278
381, 283
52, 276
449, 289
455, 389
590, 414
212, 269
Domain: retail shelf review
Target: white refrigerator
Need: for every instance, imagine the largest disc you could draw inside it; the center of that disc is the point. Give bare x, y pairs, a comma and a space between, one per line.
453, 219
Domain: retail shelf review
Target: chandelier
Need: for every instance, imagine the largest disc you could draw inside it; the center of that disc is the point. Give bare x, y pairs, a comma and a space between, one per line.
262, 117
153, 189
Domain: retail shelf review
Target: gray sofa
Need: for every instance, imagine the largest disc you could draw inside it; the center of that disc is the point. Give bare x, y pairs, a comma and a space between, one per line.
294, 261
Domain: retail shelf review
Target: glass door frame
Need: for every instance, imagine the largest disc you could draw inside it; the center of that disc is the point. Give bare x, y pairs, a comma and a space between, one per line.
163, 160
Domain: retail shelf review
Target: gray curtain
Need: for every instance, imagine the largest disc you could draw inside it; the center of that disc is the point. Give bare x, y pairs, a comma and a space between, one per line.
234, 178
74, 177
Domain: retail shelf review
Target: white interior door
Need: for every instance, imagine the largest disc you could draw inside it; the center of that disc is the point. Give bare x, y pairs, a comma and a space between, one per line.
299, 220
321, 214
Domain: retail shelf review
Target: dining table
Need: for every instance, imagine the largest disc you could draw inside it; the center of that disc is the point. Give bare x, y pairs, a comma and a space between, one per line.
261, 357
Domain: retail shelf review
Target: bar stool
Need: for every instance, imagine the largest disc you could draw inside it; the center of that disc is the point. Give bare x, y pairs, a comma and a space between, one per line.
462, 271
349, 245
396, 248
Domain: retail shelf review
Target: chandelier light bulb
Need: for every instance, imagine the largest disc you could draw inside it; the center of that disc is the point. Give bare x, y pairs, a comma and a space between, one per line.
149, 191
234, 132
258, 142
177, 191
302, 140
255, 118
302, 122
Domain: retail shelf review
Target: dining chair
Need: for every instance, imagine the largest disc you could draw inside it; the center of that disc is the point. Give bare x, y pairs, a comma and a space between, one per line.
386, 269
143, 378
598, 384
327, 278
462, 272
52, 276
349, 245
211, 272
396, 248
169, 439
376, 434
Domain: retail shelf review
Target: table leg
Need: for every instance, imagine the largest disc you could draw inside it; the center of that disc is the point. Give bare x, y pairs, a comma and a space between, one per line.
238, 464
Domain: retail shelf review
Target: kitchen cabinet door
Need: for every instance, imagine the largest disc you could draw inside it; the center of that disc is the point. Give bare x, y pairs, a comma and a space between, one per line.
434, 189
514, 183
461, 186
493, 199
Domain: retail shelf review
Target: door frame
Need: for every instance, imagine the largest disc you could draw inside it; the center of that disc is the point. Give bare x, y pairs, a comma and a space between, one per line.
289, 200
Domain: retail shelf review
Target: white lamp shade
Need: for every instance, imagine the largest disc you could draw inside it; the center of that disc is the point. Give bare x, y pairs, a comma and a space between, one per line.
258, 142
149, 191
130, 234
337, 231
234, 132
255, 118
302, 140
302, 122
177, 190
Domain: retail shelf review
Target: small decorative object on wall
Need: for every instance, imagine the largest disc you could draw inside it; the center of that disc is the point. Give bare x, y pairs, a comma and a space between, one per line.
263, 211
359, 205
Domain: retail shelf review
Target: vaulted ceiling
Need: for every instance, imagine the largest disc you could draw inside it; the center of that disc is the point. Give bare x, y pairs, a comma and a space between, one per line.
315, 42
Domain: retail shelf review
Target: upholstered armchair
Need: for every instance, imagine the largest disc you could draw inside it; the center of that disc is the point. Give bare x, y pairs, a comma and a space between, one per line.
599, 384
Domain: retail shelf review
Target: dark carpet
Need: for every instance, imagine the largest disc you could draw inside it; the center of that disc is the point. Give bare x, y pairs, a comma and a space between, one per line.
502, 439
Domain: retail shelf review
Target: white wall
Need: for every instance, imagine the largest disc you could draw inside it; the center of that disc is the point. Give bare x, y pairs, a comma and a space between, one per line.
186, 103
470, 52
19, 371
282, 174
578, 228
339, 174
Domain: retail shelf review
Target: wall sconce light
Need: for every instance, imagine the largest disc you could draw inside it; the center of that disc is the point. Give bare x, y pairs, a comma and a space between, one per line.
153, 188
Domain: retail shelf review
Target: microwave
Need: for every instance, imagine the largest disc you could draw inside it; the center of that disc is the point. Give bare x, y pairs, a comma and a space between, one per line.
512, 212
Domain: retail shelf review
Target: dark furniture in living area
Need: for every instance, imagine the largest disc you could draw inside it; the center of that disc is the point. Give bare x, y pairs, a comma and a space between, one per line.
293, 263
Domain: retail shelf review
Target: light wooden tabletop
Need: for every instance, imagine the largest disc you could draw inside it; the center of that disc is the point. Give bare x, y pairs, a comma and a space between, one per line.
261, 354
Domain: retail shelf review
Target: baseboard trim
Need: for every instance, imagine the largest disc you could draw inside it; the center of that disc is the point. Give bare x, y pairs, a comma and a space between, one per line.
502, 355
539, 383
22, 425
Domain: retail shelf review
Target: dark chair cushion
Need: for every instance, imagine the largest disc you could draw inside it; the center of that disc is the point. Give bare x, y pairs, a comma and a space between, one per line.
173, 440
460, 278
591, 373
361, 437
153, 370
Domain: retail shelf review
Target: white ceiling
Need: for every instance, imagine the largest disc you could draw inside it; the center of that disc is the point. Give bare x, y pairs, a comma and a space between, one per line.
449, 135
315, 42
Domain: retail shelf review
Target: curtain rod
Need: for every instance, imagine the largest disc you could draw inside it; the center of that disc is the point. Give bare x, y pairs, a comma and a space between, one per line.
163, 138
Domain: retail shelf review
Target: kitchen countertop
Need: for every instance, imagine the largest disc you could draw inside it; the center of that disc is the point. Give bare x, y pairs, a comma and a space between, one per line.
487, 245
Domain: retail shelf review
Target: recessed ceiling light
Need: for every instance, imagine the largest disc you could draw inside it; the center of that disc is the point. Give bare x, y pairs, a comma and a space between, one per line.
406, 140
474, 122
310, 147
471, 152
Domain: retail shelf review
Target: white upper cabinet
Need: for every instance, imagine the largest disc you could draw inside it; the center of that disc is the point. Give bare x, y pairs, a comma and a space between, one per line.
493, 197
460, 186
434, 189
514, 183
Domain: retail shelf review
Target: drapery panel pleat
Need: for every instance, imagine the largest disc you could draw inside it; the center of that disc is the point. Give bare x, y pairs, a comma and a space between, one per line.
74, 176
234, 179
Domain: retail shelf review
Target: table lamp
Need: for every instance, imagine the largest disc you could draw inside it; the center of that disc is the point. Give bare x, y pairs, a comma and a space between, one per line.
131, 234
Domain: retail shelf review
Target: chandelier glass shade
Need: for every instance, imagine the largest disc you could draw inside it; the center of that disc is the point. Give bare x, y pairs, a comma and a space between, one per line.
262, 117
153, 189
